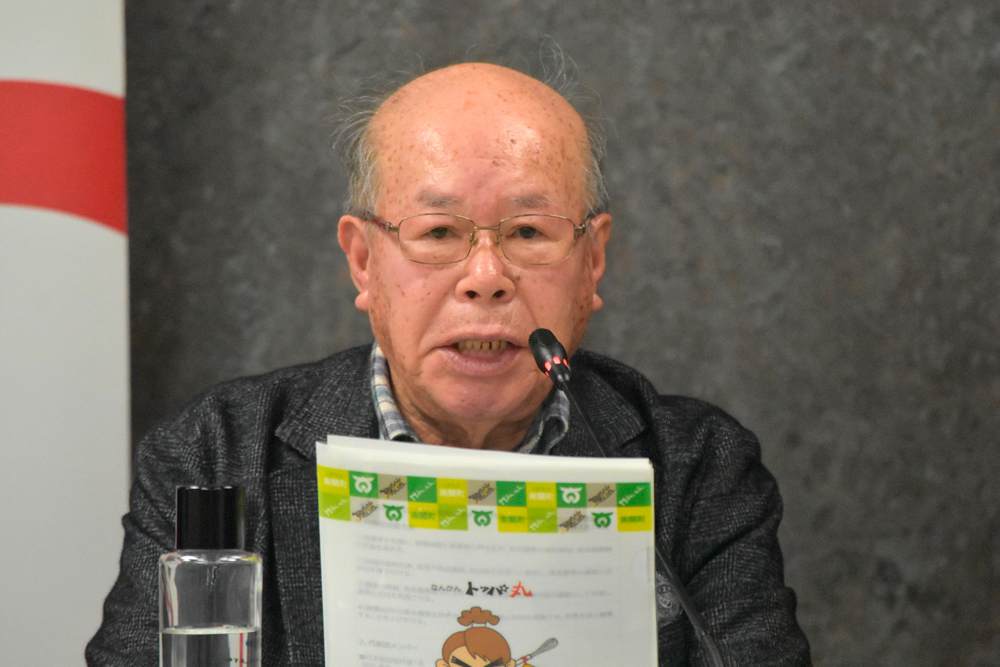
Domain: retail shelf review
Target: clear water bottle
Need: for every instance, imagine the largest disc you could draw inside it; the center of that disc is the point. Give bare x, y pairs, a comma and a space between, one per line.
210, 588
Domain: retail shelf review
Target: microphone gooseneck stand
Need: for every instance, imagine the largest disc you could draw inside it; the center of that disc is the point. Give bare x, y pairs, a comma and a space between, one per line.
550, 356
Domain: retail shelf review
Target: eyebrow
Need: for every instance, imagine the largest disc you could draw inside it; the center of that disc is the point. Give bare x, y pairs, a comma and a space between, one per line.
496, 663
459, 662
435, 200
439, 200
533, 200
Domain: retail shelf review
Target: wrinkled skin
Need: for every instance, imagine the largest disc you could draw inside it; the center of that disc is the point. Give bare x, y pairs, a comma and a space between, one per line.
487, 143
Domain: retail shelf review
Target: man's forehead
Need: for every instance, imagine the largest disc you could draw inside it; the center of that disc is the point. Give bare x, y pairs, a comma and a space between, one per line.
500, 83
502, 102
434, 198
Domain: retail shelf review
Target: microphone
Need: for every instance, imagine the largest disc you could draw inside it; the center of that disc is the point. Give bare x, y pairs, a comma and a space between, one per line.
550, 356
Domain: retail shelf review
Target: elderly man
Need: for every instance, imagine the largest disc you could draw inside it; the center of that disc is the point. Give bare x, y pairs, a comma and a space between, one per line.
477, 215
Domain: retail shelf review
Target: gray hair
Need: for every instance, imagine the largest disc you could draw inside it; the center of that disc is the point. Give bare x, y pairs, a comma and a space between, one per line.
356, 144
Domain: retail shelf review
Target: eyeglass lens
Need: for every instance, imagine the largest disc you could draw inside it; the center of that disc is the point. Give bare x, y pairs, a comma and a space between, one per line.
436, 238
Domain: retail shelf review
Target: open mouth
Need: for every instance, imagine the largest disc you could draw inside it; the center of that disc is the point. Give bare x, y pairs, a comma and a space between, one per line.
481, 346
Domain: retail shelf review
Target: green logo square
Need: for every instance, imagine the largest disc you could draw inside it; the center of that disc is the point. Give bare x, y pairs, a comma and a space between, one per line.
634, 494
542, 520
422, 489
453, 517
571, 495
512, 494
363, 484
334, 506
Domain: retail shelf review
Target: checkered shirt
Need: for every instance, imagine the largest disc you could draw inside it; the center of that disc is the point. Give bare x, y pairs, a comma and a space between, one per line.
549, 427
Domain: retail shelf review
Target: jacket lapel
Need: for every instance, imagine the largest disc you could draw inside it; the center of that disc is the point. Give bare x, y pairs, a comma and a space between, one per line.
341, 405
615, 421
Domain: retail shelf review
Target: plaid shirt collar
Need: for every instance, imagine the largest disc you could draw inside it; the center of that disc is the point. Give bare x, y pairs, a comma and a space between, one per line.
549, 427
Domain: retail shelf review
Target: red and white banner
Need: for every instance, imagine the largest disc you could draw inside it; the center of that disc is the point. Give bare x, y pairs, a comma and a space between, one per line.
64, 444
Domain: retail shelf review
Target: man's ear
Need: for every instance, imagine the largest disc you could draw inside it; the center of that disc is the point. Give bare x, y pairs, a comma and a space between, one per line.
600, 233
353, 239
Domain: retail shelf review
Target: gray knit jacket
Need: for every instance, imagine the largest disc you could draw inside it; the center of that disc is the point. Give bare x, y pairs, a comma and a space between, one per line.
717, 507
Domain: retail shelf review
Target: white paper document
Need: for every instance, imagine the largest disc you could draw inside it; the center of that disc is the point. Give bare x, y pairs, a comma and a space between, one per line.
435, 556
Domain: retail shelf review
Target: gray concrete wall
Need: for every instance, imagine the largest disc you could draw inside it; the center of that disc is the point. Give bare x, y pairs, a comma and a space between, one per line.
807, 232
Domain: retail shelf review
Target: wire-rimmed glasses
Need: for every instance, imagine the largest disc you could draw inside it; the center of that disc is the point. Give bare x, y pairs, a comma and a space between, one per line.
532, 239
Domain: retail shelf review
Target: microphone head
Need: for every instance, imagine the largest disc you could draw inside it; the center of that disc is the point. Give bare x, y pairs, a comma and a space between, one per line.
550, 356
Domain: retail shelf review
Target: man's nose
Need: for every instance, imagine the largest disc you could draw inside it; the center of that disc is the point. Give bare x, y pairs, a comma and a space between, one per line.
486, 271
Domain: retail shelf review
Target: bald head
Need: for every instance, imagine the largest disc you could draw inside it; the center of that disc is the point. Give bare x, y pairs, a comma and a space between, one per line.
480, 97
484, 144
474, 89
479, 112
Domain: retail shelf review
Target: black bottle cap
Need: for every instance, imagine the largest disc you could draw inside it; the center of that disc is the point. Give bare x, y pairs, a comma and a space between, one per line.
210, 518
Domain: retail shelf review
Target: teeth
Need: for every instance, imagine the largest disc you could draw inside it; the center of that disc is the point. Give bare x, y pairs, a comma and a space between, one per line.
481, 346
